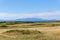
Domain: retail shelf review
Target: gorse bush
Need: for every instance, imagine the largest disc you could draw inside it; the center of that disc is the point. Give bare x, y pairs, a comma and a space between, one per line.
25, 32
25, 35
3, 26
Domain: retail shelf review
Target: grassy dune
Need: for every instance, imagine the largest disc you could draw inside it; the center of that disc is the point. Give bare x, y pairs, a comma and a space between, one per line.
29, 30
28, 24
25, 35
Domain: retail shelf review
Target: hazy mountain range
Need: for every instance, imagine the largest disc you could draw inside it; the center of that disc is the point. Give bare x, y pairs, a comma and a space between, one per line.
30, 20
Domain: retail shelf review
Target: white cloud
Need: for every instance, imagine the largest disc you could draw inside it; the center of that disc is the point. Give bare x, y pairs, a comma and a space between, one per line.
44, 15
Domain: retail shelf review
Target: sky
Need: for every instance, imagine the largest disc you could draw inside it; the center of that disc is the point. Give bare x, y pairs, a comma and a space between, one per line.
14, 9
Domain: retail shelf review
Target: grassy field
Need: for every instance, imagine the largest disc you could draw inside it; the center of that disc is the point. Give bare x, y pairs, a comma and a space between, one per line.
29, 30
28, 24
25, 35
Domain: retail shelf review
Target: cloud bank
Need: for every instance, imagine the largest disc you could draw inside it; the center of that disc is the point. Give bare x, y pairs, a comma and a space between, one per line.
44, 15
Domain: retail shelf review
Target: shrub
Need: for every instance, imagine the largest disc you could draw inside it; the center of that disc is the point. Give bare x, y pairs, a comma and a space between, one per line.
22, 32
25, 32
3, 26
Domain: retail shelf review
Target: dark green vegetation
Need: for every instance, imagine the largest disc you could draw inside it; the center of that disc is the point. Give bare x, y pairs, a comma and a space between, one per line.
3, 26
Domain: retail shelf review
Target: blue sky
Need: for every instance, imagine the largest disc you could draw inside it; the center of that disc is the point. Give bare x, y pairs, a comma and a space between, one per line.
10, 9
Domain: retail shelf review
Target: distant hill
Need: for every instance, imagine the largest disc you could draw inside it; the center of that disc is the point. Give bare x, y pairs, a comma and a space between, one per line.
34, 20
30, 20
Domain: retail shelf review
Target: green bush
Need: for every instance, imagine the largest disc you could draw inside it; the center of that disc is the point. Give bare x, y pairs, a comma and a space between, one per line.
25, 32
3, 26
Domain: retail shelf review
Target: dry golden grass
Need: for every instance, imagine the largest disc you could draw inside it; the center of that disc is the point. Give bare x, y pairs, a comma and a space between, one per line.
49, 31
26, 35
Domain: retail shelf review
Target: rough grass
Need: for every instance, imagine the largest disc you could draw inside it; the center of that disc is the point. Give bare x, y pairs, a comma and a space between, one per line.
21, 32
29, 34
32, 37
25, 35
3, 26
28, 24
